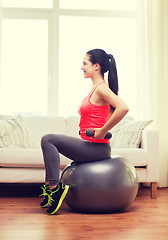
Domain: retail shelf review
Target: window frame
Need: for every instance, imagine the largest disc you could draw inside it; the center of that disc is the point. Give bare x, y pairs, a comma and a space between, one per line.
52, 16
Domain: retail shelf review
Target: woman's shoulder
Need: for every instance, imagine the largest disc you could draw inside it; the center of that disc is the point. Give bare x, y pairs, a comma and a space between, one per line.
103, 89
105, 93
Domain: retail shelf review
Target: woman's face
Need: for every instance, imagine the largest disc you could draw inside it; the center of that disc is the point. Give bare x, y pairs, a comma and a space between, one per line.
88, 67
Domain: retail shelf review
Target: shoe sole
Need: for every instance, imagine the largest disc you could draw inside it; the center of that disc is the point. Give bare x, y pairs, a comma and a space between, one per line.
61, 200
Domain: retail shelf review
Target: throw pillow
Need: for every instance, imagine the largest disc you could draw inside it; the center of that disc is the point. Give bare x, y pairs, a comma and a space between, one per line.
13, 134
128, 133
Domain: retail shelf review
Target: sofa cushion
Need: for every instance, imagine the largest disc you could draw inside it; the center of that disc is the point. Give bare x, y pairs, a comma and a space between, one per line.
137, 156
34, 158
14, 134
20, 157
39, 126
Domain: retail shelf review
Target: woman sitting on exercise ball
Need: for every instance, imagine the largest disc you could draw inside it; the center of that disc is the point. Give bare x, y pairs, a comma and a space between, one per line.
100, 111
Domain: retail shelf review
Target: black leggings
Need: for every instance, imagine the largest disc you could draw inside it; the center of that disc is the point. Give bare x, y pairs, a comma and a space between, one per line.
76, 149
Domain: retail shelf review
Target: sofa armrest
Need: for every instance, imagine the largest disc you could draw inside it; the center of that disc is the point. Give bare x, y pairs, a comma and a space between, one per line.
150, 143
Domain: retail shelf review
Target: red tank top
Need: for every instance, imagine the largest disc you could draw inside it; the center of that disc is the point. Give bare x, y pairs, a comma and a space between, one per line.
92, 116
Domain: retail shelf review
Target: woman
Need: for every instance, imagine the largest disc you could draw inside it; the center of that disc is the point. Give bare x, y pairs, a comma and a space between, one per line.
101, 110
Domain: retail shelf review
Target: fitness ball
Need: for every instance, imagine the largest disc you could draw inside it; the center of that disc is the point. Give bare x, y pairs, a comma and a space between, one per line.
104, 186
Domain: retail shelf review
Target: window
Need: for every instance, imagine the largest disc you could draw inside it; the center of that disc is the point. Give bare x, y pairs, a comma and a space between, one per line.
44, 42
80, 34
25, 66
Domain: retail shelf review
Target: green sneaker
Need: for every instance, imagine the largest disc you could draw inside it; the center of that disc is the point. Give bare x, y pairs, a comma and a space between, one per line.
45, 195
56, 197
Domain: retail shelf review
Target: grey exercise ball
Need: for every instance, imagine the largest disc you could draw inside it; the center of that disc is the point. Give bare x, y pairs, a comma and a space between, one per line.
109, 185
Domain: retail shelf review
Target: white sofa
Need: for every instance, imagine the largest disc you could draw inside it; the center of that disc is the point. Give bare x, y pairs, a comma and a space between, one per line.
25, 164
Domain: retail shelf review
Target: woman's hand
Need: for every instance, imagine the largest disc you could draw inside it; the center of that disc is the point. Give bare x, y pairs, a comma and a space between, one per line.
99, 133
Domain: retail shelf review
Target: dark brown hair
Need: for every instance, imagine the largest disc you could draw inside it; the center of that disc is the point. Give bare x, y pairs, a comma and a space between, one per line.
107, 63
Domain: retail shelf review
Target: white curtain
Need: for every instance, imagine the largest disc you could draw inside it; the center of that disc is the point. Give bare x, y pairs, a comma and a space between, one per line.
156, 15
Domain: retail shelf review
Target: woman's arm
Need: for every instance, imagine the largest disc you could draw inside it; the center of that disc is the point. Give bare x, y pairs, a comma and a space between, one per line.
120, 111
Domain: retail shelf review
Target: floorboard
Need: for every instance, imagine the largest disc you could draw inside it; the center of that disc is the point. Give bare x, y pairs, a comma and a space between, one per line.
23, 219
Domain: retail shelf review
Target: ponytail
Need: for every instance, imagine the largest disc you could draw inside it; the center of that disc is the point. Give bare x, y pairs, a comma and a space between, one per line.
112, 75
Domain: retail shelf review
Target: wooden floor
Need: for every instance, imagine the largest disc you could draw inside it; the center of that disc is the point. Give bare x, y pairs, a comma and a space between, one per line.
21, 218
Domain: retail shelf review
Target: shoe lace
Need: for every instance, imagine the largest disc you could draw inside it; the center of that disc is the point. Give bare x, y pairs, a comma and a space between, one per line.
44, 188
50, 199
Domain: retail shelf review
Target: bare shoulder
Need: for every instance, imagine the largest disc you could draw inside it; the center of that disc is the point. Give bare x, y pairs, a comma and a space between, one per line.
107, 95
103, 90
